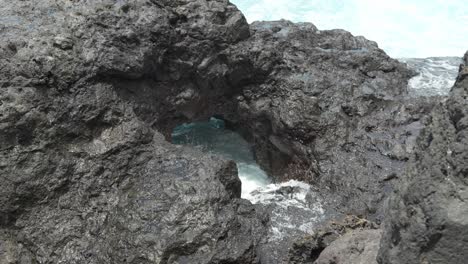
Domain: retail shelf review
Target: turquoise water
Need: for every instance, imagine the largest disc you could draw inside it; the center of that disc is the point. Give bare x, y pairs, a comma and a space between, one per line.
213, 137
293, 207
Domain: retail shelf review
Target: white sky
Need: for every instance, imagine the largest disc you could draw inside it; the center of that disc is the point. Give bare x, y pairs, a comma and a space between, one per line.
403, 28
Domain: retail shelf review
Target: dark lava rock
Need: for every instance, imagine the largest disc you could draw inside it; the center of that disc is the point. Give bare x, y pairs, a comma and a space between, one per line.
327, 108
428, 214
84, 175
309, 249
359, 246
89, 89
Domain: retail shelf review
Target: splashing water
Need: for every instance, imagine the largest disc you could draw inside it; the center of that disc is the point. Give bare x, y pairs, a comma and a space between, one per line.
212, 137
293, 206
435, 75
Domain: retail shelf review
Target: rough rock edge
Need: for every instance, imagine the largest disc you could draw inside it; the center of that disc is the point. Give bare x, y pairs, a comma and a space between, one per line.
427, 213
82, 102
85, 176
308, 249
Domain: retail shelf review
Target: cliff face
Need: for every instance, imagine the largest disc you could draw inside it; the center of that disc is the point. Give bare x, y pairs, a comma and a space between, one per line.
89, 91
427, 215
327, 108
85, 176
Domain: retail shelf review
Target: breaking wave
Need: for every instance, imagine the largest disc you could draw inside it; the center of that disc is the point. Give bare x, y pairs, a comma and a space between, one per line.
436, 75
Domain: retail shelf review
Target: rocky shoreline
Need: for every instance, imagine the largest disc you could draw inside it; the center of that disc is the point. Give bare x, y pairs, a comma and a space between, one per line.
90, 91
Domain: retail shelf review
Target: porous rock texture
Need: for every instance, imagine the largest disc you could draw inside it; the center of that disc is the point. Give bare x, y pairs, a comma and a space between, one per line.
90, 90
428, 213
85, 177
342, 241
327, 108
352, 248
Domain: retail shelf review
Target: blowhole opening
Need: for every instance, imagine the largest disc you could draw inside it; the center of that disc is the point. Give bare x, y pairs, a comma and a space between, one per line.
219, 137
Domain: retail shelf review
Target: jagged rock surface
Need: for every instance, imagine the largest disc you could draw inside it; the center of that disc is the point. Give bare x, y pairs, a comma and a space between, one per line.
85, 177
427, 215
309, 249
88, 88
327, 108
355, 247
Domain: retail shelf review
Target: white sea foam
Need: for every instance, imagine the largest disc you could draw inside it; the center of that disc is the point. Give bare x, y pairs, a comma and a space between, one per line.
289, 193
435, 75
293, 206
252, 177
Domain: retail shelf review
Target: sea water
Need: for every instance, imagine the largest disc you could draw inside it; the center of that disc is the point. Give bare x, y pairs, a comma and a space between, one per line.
435, 76
294, 207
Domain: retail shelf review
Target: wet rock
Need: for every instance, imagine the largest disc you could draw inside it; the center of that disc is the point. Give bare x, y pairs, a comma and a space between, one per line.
310, 248
85, 177
64, 43
295, 210
327, 108
427, 213
89, 91
353, 248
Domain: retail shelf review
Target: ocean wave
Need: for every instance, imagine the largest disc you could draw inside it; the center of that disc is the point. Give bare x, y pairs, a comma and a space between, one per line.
436, 75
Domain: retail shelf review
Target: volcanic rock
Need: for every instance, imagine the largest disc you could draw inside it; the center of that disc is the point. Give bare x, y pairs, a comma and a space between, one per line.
427, 213
90, 91
321, 244
327, 108
85, 176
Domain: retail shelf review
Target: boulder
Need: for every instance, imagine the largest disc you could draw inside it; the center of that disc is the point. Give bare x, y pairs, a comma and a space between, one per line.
338, 241
357, 247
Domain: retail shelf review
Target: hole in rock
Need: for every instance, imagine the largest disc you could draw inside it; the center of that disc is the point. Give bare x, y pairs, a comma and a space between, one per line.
294, 208
215, 136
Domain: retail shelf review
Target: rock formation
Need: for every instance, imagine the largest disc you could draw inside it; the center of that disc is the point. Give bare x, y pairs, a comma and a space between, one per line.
90, 90
354, 247
328, 108
85, 176
428, 213
339, 241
